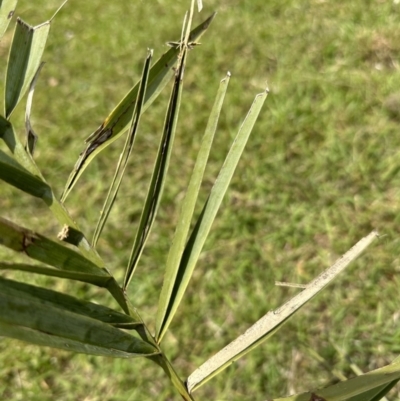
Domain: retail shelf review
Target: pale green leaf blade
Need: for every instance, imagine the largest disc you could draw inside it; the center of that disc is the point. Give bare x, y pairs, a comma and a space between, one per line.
25, 55
7, 8
273, 320
169, 302
24, 159
12, 141
375, 394
44, 250
67, 302
126, 152
203, 225
158, 177
118, 120
54, 254
100, 281
358, 388
40, 321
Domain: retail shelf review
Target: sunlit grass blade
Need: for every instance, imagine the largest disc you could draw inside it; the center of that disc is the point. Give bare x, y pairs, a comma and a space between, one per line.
360, 388
39, 320
169, 300
273, 320
158, 177
7, 8
126, 152
73, 304
25, 55
40, 248
24, 159
118, 120
203, 225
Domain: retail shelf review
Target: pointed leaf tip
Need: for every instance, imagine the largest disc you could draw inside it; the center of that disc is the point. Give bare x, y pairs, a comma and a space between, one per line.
118, 120
25, 55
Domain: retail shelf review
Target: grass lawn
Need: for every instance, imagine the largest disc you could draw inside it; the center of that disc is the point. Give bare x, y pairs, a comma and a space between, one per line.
320, 171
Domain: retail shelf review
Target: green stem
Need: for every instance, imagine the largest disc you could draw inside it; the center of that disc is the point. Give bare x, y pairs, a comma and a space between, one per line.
162, 361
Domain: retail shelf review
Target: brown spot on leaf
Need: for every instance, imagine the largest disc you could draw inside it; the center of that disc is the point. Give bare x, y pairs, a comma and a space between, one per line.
10, 14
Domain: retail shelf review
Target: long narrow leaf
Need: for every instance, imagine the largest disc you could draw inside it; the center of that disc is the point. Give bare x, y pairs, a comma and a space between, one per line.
70, 303
357, 388
117, 122
100, 281
162, 361
207, 216
24, 60
160, 170
273, 320
126, 152
30, 318
166, 307
7, 8
25, 56
24, 159
40, 248
375, 394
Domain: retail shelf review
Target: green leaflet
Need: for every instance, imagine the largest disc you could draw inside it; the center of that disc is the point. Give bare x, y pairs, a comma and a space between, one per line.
43, 317
29, 179
117, 122
168, 303
7, 8
273, 320
68, 302
360, 388
160, 170
100, 281
40, 248
24, 162
126, 152
202, 228
25, 55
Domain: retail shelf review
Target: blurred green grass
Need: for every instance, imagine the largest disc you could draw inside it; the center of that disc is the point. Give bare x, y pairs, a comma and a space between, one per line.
320, 171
